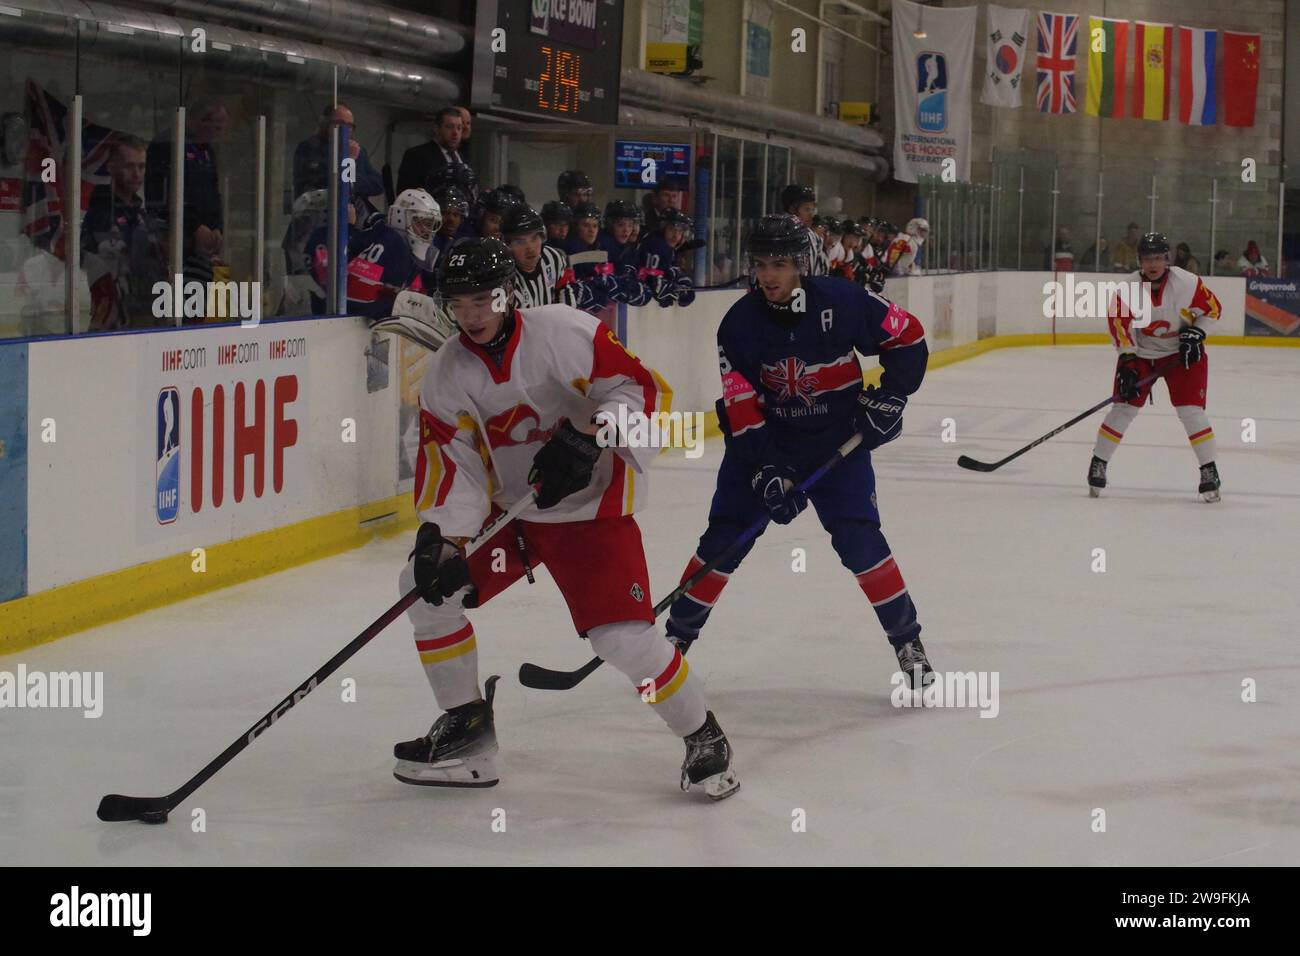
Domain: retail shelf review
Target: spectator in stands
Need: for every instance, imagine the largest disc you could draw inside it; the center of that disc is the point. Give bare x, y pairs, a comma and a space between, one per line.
420, 163
1184, 259
1222, 262
1252, 263
123, 244
311, 160
1060, 258
723, 270
202, 216
1092, 263
1126, 250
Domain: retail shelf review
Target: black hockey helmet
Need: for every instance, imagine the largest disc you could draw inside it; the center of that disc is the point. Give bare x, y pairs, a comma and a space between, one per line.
521, 220
1153, 244
796, 195
617, 209
510, 189
673, 183
556, 211
779, 234
496, 201
458, 175
851, 227
475, 265
452, 199
571, 180
586, 210
675, 217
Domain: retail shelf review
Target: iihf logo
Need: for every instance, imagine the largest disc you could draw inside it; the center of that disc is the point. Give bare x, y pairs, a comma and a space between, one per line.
636, 592
931, 92
167, 460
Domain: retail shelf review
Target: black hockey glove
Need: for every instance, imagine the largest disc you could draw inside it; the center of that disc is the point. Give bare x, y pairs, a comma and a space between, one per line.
775, 485
564, 465
440, 567
879, 415
1126, 378
1191, 345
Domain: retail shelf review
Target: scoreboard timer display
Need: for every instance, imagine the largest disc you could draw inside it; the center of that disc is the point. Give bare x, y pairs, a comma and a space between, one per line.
558, 59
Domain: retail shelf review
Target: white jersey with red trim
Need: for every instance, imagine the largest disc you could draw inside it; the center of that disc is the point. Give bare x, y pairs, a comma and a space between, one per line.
482, 424
901, 254
1181, 300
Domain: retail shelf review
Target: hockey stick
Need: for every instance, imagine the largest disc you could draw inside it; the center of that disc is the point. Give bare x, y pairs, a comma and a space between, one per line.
967, 462
542, 678
116, 807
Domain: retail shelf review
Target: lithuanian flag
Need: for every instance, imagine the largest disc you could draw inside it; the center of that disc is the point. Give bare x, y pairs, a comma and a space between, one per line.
1151, 72
1107, 60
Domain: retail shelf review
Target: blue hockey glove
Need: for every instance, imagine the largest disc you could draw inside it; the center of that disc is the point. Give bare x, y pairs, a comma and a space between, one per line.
775, 485
879, 415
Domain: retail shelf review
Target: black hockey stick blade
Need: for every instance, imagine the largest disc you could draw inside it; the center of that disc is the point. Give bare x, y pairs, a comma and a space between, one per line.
543, 678
116, 808
967, 462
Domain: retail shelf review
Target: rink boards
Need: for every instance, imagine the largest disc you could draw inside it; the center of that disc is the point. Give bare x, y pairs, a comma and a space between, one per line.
144, 468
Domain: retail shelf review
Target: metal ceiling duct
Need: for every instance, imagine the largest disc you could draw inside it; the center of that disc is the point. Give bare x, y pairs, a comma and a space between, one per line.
334, 23
110, 30
652, 90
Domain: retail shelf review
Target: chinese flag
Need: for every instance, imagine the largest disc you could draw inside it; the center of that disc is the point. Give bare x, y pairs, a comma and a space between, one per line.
1240, 77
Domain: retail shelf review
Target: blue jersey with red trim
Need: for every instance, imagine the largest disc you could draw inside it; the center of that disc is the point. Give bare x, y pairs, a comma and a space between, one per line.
790, 380
379, 266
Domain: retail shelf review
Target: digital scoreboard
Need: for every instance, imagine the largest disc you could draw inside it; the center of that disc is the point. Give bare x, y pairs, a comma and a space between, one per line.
557, 59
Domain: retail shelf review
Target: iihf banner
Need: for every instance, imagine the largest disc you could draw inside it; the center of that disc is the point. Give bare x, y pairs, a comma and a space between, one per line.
932, 89
1007, 34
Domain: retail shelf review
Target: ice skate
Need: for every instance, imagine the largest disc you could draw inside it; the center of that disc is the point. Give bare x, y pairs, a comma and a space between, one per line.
913, 662
1209, 488
1096, 477
458, 751
708, 763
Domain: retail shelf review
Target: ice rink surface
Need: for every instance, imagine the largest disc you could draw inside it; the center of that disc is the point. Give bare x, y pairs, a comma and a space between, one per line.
1119, 691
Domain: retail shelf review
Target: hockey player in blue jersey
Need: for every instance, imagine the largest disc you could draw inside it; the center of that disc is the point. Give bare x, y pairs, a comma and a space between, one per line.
615, 238
656, 259
792, 394
381, 262
558, 218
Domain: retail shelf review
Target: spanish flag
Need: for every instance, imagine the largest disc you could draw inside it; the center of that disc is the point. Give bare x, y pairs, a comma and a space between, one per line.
1107, 61
1151, 73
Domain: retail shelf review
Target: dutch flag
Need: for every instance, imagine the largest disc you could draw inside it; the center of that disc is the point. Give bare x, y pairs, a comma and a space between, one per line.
1196, 104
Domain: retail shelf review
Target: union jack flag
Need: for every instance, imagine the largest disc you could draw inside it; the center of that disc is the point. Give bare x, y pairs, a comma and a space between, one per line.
1057, 44
47, 139
786, 379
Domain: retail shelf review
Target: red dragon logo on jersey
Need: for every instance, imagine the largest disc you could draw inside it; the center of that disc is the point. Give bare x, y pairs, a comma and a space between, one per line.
516, 426
788, 380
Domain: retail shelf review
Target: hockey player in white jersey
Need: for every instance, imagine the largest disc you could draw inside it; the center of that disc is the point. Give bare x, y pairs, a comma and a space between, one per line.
511, 407
905, 247
1169, 341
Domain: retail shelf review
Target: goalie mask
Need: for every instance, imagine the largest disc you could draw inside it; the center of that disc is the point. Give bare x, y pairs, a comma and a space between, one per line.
416, 216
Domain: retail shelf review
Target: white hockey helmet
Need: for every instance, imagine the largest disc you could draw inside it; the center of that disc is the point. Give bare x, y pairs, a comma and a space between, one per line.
917, 226
312, 202
416, 215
